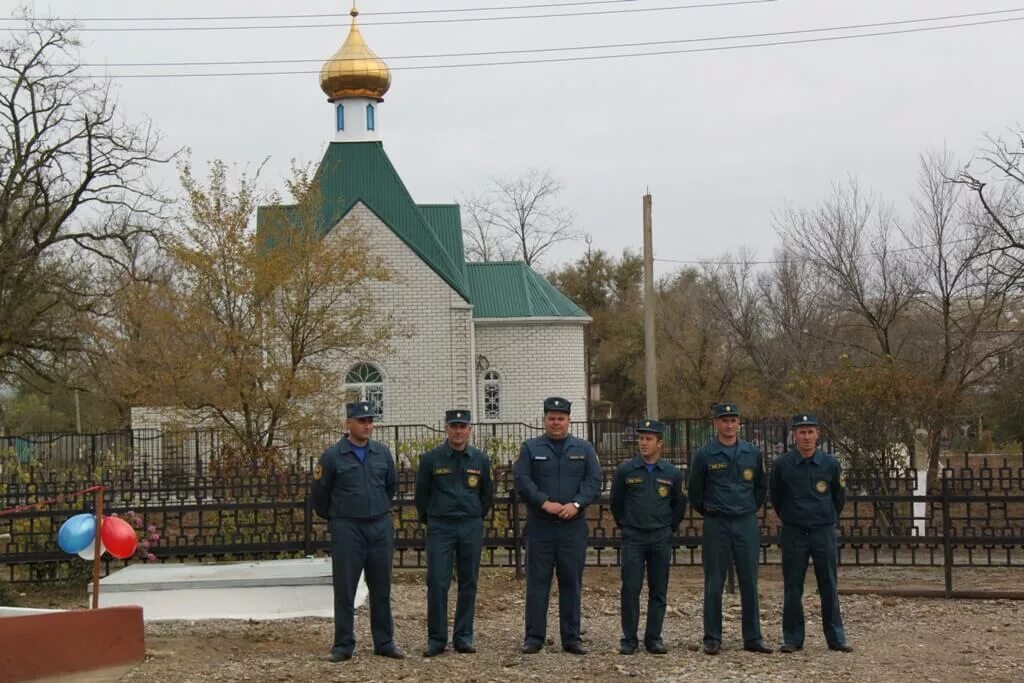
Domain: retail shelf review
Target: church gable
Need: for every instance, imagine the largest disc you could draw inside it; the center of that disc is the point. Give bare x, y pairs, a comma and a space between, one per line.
361, 172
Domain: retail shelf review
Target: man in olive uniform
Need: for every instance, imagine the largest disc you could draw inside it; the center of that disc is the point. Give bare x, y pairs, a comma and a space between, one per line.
728, 486
453, 495
808, 491
353, 486
557, 476
648, 503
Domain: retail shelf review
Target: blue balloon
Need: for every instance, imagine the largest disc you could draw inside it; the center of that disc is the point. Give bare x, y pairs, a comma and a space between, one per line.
77, 533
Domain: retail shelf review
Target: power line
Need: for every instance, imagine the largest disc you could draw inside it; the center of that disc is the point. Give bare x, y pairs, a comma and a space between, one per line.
586, 58
330, 15
404, 22
652, 43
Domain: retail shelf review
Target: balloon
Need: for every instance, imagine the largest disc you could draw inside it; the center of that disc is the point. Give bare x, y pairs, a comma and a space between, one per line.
87, 554
119, 537
77, 533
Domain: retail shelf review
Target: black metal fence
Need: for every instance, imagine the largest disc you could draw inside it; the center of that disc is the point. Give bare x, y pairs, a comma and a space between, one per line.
175, 457
205, 510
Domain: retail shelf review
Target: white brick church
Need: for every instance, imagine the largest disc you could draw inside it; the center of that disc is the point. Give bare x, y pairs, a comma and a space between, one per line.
494, 337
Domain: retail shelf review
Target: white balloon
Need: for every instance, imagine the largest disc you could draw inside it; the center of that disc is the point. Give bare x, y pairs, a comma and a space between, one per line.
87, 554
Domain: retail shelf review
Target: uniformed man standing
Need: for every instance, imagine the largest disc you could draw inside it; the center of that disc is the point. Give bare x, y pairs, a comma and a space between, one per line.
557, 476
808, 492
727, 486
353, 486
648, 503
454, 493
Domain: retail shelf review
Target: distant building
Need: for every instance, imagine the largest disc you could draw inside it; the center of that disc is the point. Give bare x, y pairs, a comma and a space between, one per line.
496, 337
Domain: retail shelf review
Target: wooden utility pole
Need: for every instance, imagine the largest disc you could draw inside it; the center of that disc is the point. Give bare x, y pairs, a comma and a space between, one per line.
650, 356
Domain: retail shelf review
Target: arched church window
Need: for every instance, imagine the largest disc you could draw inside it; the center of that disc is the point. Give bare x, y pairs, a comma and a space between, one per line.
365, 382
339, 113
492, 395
371, 117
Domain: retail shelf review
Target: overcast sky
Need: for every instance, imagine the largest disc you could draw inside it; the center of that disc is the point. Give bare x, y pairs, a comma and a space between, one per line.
721, 138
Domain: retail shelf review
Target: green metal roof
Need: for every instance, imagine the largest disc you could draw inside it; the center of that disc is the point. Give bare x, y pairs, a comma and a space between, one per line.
511, 289
351, 172
446, 220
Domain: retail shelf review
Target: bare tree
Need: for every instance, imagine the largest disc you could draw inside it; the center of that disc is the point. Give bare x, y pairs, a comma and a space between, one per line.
997, 183
964, 296
484, 243
518, 217
72, 188
848, 239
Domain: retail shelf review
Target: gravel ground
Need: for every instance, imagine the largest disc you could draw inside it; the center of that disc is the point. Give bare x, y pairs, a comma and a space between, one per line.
895, 638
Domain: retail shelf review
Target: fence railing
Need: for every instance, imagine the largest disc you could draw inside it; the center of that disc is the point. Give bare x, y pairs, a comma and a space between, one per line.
183, 456
976, 519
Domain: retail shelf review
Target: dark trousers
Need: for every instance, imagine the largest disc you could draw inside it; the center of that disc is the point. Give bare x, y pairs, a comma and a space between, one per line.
451, 541
362, 547
800, 544
650, 551
560, 548
726, 541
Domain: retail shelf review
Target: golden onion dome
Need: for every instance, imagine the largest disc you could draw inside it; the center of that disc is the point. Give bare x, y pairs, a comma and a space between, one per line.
354, 70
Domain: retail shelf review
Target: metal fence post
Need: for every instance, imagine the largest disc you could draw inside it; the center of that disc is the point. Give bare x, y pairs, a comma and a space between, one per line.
947, 543
308, 525
516, 550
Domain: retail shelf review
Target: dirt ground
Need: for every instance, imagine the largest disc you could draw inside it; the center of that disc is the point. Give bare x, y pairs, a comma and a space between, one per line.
894, 638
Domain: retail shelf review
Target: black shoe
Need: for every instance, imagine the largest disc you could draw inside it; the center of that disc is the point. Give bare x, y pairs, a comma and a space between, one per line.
465, 649
433, 650
787, 648
657, 649
758, 647
393, 653
841, 647
340, 657
712, 647
574, 649
531, 648
627, 649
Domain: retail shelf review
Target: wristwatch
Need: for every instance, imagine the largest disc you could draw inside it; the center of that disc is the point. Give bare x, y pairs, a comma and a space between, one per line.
576, 504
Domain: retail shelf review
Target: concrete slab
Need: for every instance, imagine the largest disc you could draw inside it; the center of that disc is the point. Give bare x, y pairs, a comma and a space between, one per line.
273, 589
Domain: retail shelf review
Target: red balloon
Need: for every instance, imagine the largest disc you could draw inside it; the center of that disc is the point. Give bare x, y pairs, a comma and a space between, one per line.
119, 537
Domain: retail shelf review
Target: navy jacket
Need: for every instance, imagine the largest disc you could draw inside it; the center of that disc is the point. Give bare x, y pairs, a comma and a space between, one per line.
808, 492
722, 485
648, 500
542, 474
343, 487
453, 485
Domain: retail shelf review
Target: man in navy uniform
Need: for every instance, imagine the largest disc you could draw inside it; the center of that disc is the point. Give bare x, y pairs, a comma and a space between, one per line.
453, 495
808, 492
353, 486
648, 503
557, 476
728, 486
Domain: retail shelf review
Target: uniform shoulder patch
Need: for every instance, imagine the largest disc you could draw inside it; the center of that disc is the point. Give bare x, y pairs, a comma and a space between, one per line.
318, 471
663, 491
821, 486
748, 474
